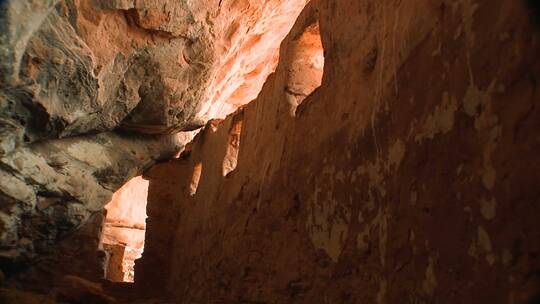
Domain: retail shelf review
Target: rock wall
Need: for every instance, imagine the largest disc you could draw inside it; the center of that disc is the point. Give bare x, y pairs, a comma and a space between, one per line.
93, 92
409, 176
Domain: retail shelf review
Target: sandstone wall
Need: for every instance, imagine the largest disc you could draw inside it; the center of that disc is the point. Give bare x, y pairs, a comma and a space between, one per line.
411, 175
76, 74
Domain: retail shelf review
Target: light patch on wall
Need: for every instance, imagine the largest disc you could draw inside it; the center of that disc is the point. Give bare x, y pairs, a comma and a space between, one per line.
327, 222
233, 146
482, 244
477, 104
473, 99
374, 172
396, 152
488, 208
195, 178
441, 121
430, 281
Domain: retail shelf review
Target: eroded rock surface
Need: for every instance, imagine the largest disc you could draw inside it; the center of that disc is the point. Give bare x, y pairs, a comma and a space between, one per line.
155, 66
391, 158
77, 75
409, 176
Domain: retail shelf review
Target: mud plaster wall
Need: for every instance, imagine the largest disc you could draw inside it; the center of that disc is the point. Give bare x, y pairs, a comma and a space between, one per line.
411, 175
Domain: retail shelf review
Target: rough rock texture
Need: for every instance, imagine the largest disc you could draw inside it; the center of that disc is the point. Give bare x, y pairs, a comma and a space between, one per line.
50, 188
76, 74
409, 176
155, 66
78, 254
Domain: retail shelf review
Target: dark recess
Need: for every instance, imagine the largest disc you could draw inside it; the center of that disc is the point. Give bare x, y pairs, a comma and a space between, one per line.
534, 6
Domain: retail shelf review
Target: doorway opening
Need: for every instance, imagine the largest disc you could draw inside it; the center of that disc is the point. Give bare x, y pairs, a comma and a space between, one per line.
124, 230
306, 69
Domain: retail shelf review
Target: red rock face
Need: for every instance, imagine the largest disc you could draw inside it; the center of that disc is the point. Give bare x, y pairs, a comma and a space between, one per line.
80, 80
409, 176
211, 56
